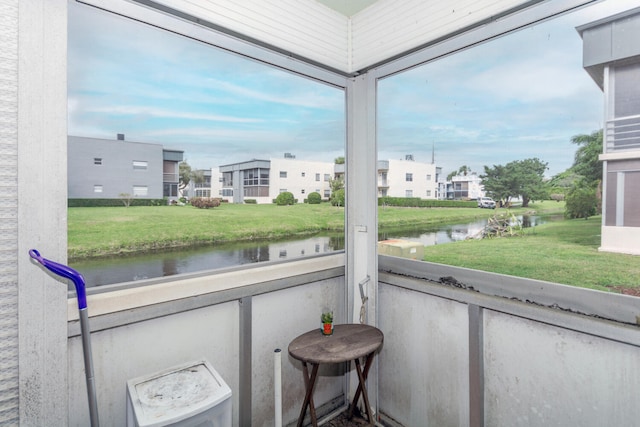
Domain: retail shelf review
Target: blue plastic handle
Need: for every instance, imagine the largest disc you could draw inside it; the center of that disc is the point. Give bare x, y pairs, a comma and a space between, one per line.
66, 272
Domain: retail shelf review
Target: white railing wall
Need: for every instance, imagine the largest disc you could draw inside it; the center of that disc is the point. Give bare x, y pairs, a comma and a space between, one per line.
468, 348
236, 329
461, 348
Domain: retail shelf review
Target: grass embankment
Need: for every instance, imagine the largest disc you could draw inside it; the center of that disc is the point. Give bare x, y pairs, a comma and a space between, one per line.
110, 231
561, 252
117, 230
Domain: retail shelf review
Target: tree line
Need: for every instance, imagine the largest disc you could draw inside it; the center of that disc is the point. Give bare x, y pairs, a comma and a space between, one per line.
579, 186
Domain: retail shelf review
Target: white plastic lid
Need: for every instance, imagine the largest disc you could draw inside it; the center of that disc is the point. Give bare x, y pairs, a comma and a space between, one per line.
176, 394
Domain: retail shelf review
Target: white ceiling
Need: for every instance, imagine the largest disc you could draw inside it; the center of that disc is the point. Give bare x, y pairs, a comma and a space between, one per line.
347, 7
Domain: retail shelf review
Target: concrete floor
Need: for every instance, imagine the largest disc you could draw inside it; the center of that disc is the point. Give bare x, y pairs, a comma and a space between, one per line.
342, 421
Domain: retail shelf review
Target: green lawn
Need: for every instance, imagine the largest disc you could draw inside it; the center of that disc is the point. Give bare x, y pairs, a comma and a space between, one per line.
561, 252
117, 230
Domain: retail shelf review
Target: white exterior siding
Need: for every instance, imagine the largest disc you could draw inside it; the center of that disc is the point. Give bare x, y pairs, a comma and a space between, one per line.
418, 186
301, 178
313, 31
389, 27
305, 28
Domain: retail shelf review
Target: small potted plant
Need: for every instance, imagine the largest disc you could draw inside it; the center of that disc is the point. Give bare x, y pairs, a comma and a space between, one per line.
327, 322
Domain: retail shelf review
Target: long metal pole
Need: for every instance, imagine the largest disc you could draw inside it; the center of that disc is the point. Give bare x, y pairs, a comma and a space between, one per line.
88, 367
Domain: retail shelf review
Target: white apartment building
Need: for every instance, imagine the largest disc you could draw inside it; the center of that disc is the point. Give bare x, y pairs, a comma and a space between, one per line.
463, 187
263, 180
407, 178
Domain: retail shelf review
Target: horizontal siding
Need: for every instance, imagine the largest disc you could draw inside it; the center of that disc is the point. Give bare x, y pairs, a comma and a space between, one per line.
9, 400
304, 28
389, 28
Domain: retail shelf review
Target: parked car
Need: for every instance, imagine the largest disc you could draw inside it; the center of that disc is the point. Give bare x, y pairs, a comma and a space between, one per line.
486, 202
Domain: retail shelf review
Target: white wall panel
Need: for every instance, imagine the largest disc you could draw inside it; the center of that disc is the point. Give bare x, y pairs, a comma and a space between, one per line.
41, 208
543, 375
424, 369
305, 28
389, 28
274, 327
144, 348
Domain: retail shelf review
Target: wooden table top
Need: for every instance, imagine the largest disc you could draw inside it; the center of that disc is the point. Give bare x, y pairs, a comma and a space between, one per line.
348, 342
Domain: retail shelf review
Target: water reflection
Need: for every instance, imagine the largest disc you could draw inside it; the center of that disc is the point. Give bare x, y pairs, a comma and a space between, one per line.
167, 263
106, 271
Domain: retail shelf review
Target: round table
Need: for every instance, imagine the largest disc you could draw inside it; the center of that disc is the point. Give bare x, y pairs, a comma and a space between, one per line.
348, 342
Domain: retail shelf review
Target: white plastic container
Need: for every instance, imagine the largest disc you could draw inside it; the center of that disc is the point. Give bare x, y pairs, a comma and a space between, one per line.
189, 395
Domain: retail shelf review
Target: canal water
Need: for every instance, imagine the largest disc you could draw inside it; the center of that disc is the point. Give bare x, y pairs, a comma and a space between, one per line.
105, 271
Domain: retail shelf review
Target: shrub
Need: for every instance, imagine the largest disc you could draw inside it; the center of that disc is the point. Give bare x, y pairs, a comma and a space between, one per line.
581, 202
103, 203
416, 202
205, 202
314, 198
337, 198
250, 201
285, 198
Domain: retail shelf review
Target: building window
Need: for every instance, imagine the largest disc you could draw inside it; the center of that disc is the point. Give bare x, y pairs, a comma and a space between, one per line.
302, 191
283, 174
327, 177
303, 174
97, 188
97, 160
258, 176
428, 177
170, 190
283, 190
409, 177
327, 194
428, 193
408, 193
140, 165
256, 191
317, 177
140, 190
226, 192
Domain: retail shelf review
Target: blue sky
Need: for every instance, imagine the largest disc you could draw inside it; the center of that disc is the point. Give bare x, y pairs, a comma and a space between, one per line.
514, 98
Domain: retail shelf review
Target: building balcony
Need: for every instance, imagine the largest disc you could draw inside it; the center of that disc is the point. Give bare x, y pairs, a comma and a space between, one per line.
623, 134
461, 347
170, 177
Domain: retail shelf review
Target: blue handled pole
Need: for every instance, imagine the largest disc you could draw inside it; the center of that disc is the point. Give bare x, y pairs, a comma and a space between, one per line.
77, 279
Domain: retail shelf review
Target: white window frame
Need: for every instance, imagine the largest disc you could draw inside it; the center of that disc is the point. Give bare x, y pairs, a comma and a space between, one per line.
140, 165
140, 190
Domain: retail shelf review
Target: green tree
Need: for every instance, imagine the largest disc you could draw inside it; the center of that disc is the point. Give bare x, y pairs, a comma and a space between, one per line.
462, 170
524, 178
336, 184
339, 160
337, 198
586, 162
185, 174
197, 176
581, 202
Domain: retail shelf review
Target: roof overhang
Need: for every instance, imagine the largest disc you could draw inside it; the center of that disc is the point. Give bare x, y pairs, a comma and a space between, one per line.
378, 32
